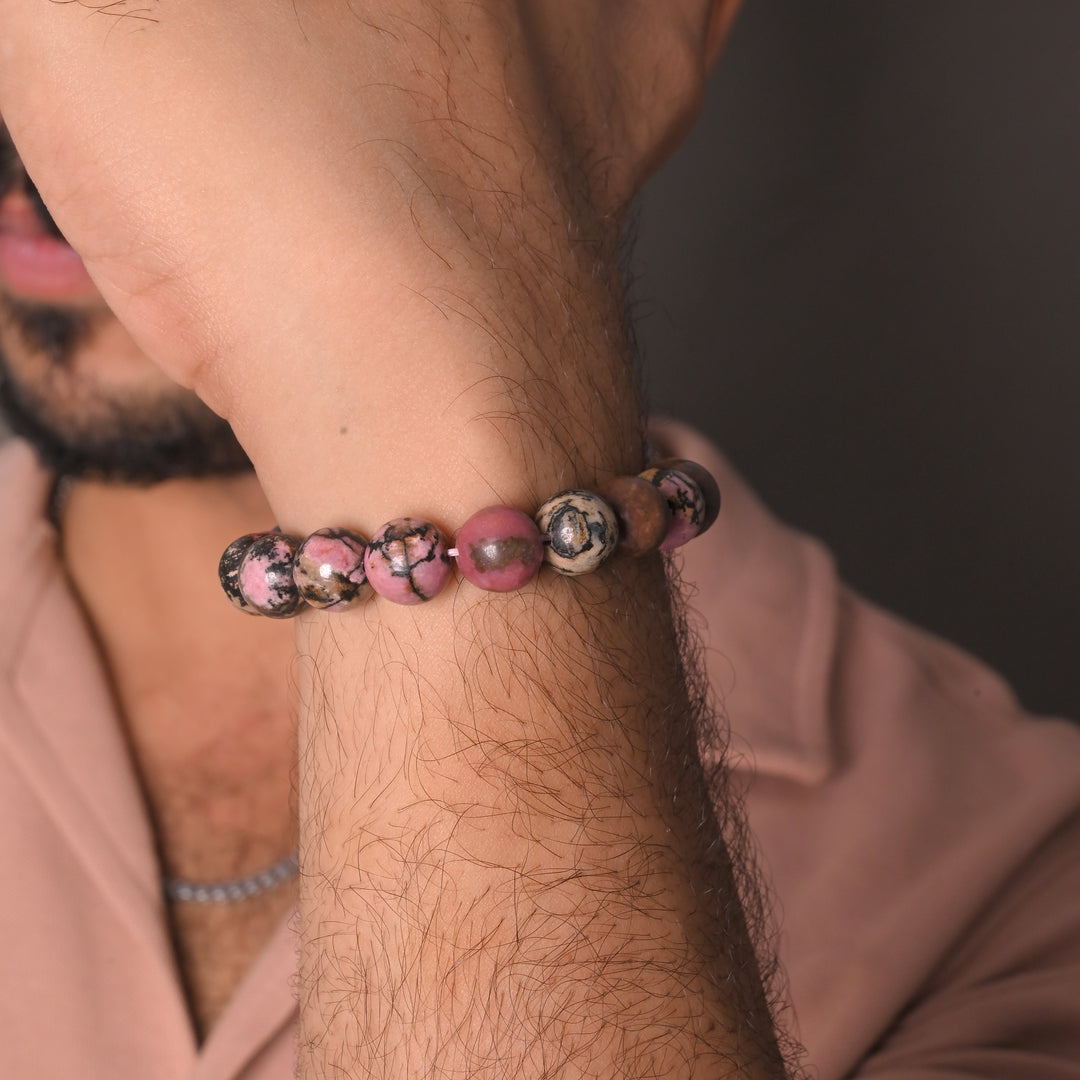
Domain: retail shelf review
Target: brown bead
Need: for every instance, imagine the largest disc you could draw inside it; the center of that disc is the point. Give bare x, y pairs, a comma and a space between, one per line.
643, 512
704, 480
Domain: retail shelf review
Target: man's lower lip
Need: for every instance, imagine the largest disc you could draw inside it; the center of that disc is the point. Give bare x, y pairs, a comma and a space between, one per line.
42, 268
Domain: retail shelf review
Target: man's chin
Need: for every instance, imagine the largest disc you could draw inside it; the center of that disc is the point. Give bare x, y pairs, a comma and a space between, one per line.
84, 429
128, 443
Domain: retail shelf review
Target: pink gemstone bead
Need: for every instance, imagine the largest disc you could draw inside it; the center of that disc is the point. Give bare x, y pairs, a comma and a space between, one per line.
499, 548
704, 479
266, 578
329, 569
407, 561
229, 571
686, 501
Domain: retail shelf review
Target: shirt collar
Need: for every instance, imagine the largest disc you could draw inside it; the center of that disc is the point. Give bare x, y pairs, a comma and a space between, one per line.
765, 598
64, 734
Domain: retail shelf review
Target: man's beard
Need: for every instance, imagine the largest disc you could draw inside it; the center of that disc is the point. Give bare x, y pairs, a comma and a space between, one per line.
136, 441
77, 431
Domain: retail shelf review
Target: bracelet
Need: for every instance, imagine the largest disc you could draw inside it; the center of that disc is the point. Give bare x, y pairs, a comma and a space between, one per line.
499, 548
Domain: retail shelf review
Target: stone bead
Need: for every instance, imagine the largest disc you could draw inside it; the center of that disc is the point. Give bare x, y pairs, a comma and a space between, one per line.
329, 569
643, 513
229, 571
407, 561
582, 531
499, 548
704, 480
686, 501
266, 578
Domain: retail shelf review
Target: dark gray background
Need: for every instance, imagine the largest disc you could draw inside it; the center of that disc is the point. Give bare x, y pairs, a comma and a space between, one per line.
860, 277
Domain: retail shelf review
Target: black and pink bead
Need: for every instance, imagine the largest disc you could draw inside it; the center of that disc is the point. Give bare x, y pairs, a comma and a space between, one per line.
701, 476
329, 569
229, 572
266, 576
407, 561
693, 505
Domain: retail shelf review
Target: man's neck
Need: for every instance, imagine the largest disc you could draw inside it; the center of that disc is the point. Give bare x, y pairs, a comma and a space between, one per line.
205, 696
203, 690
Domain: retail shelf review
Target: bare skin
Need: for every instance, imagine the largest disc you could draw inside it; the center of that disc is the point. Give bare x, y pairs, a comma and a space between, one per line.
216, 751
507, 864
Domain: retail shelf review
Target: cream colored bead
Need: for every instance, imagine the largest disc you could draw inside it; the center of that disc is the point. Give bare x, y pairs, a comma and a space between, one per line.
582, 531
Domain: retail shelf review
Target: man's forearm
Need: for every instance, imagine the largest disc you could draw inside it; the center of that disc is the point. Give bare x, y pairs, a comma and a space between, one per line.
511, 865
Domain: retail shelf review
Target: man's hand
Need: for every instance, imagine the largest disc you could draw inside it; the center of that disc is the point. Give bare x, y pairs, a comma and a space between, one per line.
240, 175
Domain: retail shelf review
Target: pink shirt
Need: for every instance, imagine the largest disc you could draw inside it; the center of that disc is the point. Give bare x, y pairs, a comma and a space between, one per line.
921, 834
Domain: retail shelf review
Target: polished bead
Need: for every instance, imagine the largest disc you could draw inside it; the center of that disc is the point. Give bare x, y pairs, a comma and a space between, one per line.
704, 479
266, 578
229, 571
643, 513
581, 529
499, 548
407, 561
686, 502
329, 569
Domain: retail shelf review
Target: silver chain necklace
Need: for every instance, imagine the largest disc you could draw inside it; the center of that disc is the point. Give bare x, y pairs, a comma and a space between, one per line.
229, 892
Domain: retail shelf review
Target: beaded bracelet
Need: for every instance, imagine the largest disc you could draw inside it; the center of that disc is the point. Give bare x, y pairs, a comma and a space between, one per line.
498, 548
